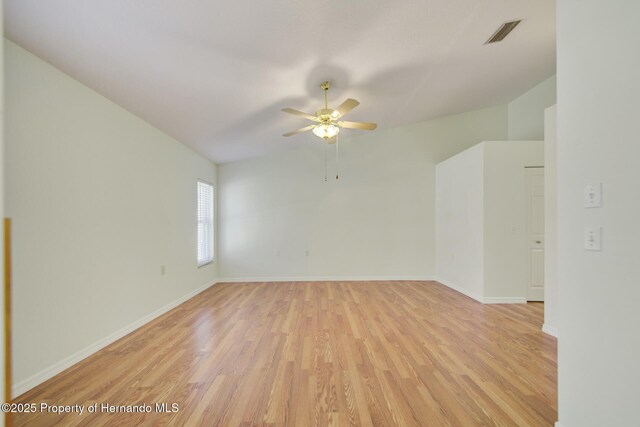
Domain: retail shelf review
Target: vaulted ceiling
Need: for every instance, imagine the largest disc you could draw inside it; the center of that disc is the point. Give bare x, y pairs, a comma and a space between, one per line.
214, 75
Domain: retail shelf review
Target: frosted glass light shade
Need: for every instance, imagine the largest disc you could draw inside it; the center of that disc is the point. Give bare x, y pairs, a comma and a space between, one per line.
326, 130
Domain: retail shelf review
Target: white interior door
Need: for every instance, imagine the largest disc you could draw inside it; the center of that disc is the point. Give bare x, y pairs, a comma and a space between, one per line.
535, 234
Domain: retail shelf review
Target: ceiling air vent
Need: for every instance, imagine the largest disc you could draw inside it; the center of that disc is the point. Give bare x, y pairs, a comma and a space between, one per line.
503, 31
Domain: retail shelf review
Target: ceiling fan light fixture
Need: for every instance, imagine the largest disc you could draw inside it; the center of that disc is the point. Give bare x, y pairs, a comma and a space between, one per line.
326, 124
326, 130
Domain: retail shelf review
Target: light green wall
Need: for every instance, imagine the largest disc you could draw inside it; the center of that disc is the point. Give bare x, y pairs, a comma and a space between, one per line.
377, 221
505, 226
2, 325
99, 200
526, 112
598, 144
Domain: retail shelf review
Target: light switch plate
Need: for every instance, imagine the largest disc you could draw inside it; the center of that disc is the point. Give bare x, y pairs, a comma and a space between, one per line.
593, 196
593, 238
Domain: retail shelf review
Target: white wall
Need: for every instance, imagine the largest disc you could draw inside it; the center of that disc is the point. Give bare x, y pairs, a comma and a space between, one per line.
460, 222
526, 112
99, 200
598, 141
550, 223
377, 221
505, 217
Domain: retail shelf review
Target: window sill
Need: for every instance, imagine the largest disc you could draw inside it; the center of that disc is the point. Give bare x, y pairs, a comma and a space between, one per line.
204, 264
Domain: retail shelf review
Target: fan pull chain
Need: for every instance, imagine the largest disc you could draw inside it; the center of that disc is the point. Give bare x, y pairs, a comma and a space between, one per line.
325, 162
337, 158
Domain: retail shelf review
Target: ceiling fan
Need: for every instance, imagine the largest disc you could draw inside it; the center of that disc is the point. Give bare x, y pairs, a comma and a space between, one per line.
327, 125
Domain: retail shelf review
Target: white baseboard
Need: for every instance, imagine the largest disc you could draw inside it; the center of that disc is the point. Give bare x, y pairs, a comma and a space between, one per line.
551, 330
479, 298
56, 368
504, 300
321, 278
460, 289
557, 424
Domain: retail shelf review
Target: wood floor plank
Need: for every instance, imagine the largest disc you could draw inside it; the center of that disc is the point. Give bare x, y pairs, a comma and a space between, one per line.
405, 353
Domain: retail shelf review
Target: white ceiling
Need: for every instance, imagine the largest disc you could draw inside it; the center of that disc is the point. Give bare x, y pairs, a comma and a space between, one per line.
215, 74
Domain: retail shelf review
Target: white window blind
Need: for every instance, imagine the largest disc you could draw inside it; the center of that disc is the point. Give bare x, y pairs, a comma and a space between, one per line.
205, 223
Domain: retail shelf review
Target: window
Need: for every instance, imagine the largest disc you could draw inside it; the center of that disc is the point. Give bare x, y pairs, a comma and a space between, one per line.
205, 223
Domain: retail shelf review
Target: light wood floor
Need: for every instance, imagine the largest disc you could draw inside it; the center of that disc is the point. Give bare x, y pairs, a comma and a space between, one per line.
321, 353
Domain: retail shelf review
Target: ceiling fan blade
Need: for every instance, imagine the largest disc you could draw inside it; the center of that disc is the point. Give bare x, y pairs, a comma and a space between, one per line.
300, 113
304, 129
345, 107
332, 140
358, 125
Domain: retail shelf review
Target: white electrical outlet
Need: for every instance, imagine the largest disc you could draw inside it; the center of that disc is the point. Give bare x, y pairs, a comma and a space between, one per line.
163, 270
593, 238
593, 196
